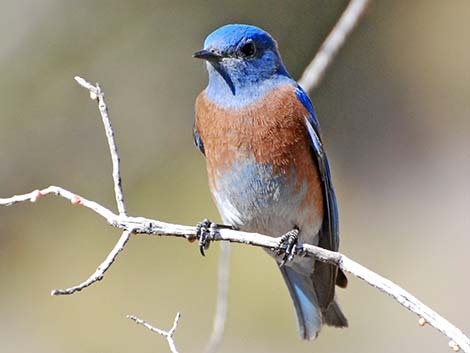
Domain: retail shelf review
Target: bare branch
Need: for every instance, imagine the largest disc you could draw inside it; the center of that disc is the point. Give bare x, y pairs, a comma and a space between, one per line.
458, 339
167, 334
97, 93
222, 300
132, 224
75, 199
316, 69
149, 226
102, 268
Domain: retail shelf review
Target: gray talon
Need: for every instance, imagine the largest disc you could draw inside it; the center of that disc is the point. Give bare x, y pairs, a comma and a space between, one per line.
207, 231
289, 246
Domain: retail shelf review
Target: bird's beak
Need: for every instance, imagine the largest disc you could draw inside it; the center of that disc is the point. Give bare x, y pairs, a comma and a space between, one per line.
207, 55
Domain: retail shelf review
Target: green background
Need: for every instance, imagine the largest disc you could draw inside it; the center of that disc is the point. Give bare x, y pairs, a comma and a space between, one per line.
394, 109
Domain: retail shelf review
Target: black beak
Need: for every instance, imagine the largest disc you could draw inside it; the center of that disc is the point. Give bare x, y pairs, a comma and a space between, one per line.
207, 55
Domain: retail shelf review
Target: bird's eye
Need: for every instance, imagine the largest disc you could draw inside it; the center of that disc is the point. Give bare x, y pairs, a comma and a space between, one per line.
248, 50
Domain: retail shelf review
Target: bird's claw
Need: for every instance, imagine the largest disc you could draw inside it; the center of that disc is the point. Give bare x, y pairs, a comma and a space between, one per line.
289, 246
205, 232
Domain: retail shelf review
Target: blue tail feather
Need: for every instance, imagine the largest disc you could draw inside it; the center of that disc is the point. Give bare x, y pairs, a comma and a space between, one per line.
309, 316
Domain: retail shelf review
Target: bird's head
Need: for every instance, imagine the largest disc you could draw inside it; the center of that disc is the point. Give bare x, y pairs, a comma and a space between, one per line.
240, 56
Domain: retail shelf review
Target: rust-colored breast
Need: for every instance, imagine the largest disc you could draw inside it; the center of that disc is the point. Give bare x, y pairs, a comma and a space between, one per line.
272, 131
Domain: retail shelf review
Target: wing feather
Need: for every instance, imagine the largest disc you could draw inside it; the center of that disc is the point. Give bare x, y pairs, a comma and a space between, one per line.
325, 276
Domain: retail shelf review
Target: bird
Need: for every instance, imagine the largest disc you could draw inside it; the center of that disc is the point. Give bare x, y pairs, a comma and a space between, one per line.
267, 167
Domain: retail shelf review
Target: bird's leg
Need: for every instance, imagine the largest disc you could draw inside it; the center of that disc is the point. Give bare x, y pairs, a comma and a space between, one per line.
206, 231
289, 245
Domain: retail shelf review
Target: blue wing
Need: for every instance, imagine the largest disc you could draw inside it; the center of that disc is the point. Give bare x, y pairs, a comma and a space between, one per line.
329, 237
325, 276
198, 140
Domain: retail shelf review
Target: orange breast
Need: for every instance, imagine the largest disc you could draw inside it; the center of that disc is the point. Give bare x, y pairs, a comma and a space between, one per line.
272, 131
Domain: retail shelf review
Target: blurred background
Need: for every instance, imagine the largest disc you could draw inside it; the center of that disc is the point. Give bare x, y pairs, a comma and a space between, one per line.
394, 108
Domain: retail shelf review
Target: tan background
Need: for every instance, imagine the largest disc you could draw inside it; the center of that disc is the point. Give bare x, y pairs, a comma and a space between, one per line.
394, 109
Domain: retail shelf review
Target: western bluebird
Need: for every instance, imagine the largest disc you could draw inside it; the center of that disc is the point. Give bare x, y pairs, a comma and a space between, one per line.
267, 167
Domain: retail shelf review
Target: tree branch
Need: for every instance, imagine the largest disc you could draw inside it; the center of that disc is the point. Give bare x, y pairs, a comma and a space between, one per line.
150, 226
97, 93
167, 334
99, 273
316, 69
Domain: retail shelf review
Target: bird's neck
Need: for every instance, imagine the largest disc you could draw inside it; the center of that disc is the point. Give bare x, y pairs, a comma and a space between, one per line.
230, 91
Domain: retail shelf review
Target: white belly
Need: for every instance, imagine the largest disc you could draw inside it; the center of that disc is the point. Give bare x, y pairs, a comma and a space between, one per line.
254, 199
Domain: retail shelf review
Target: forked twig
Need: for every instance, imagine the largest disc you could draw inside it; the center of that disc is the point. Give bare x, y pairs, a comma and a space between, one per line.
167, 334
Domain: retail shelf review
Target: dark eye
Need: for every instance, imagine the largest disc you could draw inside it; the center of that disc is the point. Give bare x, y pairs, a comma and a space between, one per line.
248, 49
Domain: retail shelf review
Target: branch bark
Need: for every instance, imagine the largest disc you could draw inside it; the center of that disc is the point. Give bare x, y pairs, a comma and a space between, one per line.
97, 93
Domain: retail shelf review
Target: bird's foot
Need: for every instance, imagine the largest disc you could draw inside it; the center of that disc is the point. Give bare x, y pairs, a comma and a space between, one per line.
289, 246
206, 231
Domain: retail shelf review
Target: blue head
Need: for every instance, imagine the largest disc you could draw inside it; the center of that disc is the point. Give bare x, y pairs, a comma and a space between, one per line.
243, 62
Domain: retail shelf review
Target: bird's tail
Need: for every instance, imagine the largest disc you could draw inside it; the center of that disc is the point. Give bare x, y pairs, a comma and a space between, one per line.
333, 316
310, 316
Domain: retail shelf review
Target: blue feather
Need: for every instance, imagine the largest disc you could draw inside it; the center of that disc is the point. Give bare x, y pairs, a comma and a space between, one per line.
198, 140
330, 227
309, 317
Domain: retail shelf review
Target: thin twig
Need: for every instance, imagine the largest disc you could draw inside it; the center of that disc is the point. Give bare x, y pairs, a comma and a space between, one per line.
167, 334
132, 224
102, 268
316, 69
97, 93
149, 226
75, 199
220, 316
